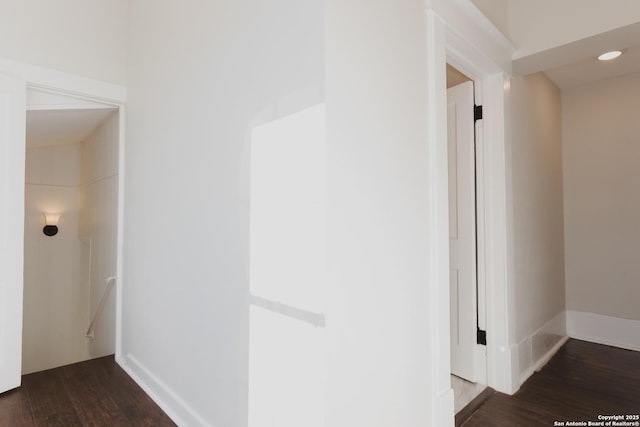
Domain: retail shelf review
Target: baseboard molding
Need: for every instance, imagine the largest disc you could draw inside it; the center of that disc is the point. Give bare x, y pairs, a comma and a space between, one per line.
443, 411
502, 368
539, 364
596, 328
538, 348
176, 408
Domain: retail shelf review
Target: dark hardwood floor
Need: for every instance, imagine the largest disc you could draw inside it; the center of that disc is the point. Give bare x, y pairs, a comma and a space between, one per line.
582, 381
92, 393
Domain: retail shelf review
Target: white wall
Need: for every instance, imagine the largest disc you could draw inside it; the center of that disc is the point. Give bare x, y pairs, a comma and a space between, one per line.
497, 11
201, 76
223, 69
379, 358
538, 215
76, 36
600, 131
55, 298
98, 227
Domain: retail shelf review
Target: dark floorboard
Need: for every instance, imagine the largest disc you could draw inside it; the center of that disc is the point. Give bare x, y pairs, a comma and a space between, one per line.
582, 381
92, 393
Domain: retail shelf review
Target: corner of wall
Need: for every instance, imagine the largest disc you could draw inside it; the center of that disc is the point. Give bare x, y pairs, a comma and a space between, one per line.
502, 368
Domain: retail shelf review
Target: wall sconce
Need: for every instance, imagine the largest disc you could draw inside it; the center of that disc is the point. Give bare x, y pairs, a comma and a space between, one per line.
51, 224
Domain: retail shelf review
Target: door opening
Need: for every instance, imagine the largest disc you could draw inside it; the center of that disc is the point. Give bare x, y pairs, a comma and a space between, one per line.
71, 174
466, 378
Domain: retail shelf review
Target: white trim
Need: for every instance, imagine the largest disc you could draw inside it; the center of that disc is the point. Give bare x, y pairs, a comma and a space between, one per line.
437, 162
46, 99
444, 409
120, 229
169, 401
120, 215
502, 369
472, 48
535, 350
70, 84
12, 218
85, 89
474, 37
607, 330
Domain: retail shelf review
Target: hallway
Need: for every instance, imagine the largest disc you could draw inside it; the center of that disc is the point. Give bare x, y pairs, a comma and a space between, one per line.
582, 381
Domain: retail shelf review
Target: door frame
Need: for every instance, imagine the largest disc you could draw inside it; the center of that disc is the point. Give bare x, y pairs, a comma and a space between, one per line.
84, 88
459, 34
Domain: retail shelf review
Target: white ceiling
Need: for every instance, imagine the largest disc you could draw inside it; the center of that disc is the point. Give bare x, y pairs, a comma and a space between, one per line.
63, 127
577, 63
591, 69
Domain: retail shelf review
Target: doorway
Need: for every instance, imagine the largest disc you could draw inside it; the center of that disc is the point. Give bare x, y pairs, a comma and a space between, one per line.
467, 380
483, 55
70, 234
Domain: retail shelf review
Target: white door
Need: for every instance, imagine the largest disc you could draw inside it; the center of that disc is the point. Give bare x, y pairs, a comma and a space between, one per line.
12, 152
462, 229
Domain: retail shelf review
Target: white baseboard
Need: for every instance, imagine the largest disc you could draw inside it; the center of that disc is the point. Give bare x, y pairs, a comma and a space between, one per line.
443, 411
596, 328
538, 348
176, 408
502, 368
539, 364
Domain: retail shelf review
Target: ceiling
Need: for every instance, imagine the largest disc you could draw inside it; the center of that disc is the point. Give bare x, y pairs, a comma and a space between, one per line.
591, 69
577, 63
455, 77
47, 128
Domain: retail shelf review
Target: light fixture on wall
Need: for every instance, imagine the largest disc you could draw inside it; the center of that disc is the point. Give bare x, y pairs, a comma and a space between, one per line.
607, 56
51, 224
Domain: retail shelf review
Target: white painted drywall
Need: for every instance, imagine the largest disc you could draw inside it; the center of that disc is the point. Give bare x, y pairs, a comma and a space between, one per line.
55, 298
601, 151
378, 321
538, 203
497, 11
97, 229
202, 76
76, 36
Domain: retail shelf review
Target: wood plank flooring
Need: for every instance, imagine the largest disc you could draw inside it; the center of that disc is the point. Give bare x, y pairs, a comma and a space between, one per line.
92, 393
582, 381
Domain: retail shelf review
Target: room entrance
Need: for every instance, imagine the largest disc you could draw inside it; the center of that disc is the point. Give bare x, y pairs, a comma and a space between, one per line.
467, 376
71, 197
73, 245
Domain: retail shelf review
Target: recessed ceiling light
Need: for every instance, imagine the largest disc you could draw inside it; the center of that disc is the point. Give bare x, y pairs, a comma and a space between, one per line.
610, 55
